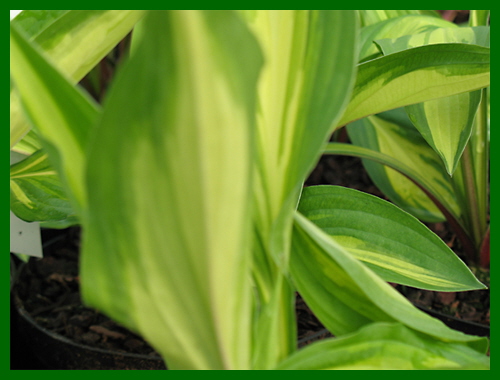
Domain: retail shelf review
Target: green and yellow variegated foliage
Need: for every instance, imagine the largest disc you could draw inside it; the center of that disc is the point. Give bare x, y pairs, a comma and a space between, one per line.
188, 177
75, 41
454, 129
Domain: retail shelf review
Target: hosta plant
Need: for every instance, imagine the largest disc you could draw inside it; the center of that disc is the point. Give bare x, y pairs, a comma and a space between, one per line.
436, 153
187, 182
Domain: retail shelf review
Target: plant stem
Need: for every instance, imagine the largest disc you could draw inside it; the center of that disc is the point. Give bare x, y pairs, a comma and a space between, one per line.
481, 159
472, 214
475, 160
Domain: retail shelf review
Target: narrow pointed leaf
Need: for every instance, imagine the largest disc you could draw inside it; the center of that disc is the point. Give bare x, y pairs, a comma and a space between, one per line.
446, 123
304, 88
393, 135
36, 193
305, 85
179, 152
345, 294
384, 346
417, 75
392, 243
62, 113
75, 41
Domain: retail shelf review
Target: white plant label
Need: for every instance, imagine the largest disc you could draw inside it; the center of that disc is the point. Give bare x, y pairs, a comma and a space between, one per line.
25, 237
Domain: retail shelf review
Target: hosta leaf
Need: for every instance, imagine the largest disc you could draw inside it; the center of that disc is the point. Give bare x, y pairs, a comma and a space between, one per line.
62, 113
397, 27
417, 75
179, 152
385, 346
345, 294
36, 194
304, 87
446, 123
479, 35
393, 134
75, 41
387, 240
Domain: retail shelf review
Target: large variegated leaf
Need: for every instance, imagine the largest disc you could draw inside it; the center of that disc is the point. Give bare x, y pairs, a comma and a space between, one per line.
385, 346
58, 110
427, 184
167, 243
417, 75
393, 135
445, 123
305, 84
389, 241
36, 193
75, 41
397, 27
345, 294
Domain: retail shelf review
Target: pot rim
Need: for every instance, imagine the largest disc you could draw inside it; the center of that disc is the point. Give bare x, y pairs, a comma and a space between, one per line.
26, 316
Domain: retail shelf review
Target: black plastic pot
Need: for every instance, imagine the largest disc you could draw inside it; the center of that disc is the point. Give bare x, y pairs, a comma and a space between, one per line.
35, 347
467, 327
39, 348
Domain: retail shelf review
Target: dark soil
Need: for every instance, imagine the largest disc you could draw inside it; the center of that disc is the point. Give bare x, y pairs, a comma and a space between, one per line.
49, 290
49, 287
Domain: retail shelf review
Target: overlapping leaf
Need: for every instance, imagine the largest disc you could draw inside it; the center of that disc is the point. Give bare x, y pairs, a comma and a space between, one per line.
178, 269
62, 113
403, 78
479, 35
395, 27
304, 87
389, 241
385, 346
345, 295
445, 123
75, 41
392, 134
